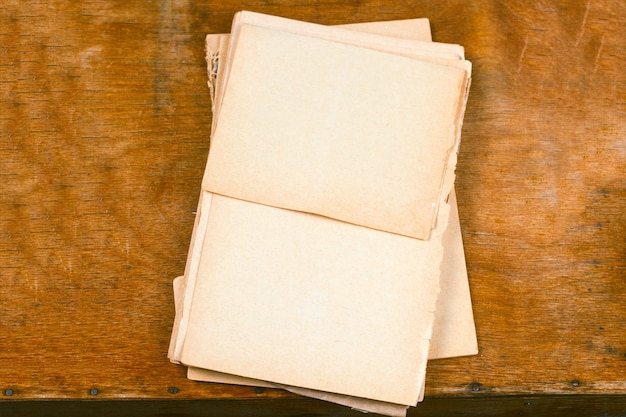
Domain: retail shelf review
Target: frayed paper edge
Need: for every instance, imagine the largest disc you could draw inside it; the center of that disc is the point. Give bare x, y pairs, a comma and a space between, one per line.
213, 62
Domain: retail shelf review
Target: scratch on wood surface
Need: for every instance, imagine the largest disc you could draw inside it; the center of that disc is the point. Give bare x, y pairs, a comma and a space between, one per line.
521, 57
581, 31
595, 62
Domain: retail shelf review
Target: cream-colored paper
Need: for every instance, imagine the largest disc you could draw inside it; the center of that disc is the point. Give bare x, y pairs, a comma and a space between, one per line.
199, 216
452, 53
458, 314
453, 318
312, 302
413, 29
421, 48
204, 375
373, 162
224, 299
446, 54
179, 329
454, 332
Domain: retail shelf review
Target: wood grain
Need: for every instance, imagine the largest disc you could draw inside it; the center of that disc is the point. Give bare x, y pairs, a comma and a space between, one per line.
104, 133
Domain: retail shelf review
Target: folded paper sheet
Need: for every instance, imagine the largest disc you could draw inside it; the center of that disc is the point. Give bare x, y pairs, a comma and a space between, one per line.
307, 305
309, 301
451, 54
372, 162
453, 330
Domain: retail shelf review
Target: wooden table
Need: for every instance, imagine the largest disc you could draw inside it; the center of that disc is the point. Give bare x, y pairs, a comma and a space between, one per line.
104, 133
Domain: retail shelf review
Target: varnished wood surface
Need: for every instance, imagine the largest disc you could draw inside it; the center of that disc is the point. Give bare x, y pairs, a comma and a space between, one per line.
104, 133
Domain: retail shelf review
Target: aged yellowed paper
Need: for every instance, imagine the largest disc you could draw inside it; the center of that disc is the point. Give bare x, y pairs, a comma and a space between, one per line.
238, 203
359, 136
313, 302
452, 53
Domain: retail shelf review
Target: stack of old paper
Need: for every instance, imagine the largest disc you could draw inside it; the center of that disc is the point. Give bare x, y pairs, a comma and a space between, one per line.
327, 225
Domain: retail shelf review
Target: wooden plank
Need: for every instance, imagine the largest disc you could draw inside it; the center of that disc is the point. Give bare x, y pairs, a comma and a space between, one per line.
536, 406
104, 125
